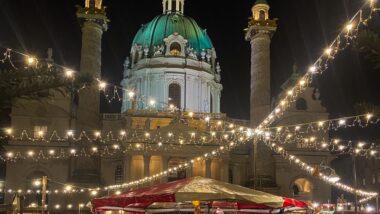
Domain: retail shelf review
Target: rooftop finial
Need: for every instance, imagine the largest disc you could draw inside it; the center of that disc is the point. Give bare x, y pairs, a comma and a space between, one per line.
173, 6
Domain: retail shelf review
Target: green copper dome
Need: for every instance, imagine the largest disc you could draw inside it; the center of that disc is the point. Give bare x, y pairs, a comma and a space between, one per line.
162, 26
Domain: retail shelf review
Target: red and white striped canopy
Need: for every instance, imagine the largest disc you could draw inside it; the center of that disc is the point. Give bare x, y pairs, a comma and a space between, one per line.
177, 194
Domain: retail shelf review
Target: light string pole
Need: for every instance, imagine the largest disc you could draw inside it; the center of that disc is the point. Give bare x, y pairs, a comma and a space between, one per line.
355, 182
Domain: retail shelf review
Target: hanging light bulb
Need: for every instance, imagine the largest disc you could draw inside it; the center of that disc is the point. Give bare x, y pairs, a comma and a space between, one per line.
70, 133
8, 131
349, 27
31, 60
328, 51
10, 154
102, 85
97, 134
69, 73
131, 94
312, 69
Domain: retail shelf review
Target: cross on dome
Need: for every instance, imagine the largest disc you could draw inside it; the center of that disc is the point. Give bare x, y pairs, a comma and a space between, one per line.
173, 6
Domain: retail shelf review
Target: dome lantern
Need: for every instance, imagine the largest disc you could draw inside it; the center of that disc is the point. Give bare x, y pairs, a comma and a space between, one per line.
173, 6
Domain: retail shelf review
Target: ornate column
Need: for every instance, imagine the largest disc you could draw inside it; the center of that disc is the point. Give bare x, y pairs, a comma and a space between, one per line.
225, 169
260, 31
127, 167
208, 168
146, 165
93, 21
189, 170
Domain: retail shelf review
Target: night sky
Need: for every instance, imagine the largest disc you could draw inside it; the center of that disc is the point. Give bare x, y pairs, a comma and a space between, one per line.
305, 28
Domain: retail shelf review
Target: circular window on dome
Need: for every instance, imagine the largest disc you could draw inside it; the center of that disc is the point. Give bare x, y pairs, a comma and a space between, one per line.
175, 49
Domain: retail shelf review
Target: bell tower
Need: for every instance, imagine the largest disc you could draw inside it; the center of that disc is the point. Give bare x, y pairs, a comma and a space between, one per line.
259, 33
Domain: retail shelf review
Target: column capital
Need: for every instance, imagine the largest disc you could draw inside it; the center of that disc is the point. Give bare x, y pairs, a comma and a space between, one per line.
256, 31
97, 16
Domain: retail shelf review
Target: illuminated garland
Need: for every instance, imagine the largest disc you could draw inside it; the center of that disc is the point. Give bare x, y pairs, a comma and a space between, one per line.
361, 121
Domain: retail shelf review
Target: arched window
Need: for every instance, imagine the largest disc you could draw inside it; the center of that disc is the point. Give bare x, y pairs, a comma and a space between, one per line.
175, 95
302, 186
119, 174
175, 49
301, 104
262, 15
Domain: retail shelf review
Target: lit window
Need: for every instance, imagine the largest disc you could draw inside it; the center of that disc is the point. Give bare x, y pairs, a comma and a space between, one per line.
175, 49
39, 131
302, 186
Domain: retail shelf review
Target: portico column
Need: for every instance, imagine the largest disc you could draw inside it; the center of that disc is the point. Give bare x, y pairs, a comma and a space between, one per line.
225, 170
127, 167
189, 170
165, 166
146, 165
208, 168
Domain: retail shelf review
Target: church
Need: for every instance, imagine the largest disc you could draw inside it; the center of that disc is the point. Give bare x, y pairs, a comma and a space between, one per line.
171, 85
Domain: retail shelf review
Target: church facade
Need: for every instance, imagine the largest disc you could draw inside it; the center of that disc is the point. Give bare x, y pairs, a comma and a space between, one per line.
171, 83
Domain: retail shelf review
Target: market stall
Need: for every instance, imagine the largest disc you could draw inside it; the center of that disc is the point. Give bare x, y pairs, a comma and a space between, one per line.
196, 194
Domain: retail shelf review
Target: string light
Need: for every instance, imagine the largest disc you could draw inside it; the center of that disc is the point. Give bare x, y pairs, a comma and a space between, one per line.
312, 69
31, 60
102, 85
8, 131
131, 94
328, 51
349, 27
69, 73
152, 102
